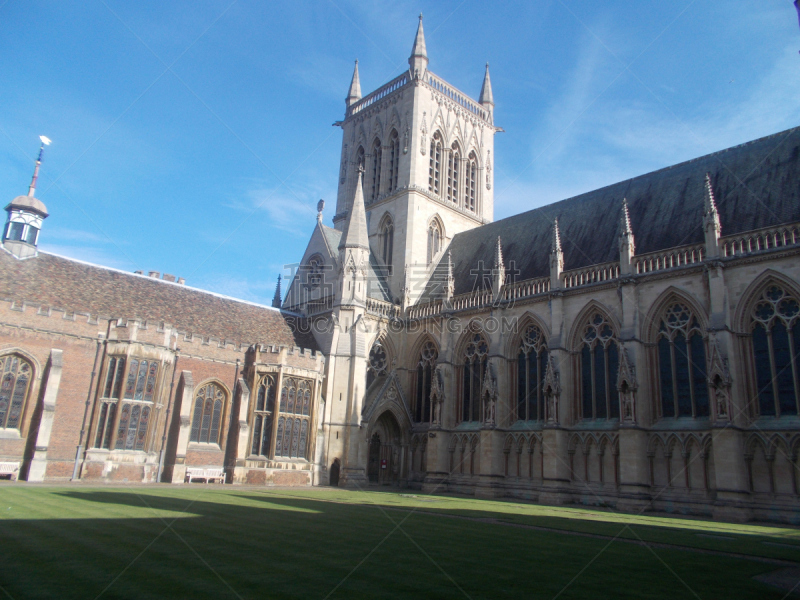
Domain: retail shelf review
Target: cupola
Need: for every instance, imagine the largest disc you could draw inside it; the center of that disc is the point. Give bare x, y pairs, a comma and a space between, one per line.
25, 216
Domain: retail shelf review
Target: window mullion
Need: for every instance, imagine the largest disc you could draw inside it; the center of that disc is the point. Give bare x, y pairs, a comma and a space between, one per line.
774, 376
594, 379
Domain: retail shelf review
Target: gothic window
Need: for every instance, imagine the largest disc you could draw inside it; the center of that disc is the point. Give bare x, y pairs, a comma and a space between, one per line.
473, 371
16, 373
435, 168
359, 158
599, 366
425, 368
377, 157
452, 173
207, 416
472, 179
314, 270
377, 363
434, 239
115, 374
682, 364
263, 416
394, 160
387, 241
775, 342
531, 367
294, 421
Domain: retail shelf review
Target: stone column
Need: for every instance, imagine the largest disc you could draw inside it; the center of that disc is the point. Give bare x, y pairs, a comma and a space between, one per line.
39, 462
187, 394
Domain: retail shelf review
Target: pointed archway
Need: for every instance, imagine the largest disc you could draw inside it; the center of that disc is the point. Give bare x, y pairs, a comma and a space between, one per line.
387, 444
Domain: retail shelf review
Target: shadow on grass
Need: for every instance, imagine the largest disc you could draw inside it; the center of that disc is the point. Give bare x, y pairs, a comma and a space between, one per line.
220, 543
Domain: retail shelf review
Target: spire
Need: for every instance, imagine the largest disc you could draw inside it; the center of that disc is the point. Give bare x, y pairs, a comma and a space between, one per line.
450, 284
486, 97
418, 61
556, 245
32, 187
354, 95
499, 271
711, 224
627, 247
625, 218
710, 202
498, 254
277, 300
355, 227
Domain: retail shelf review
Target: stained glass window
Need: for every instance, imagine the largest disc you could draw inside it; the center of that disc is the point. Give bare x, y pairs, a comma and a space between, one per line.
289, 441
130, 430
16, 373
531, 367
263, 416
473, 372
209, 402
599, 358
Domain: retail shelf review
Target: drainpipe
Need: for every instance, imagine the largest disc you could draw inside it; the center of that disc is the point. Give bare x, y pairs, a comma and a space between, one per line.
79, 450
166, 416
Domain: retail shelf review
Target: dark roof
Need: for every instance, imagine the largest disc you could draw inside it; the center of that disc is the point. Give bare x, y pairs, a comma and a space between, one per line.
756, 185
56, 282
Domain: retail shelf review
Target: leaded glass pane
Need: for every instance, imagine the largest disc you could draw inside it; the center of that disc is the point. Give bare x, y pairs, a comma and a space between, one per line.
784, 378
613, 370
271, 397
600, 397
120, 377
295, 437
130, 385
586, 382
124, 417
466, 391
307, 403
140, 380
266, 438
196, 420
284, 394
426, 410
112, 413
665, 377
150, 387
256, 435
766, 399
303, 436
290, 408
101, 424
213, 434
699, 376
130, 438
682, 376
112, 369
521, 382
141, 434
279, 438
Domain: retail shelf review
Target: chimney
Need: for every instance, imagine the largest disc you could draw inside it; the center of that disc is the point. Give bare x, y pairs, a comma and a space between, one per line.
154, 274
181, 281
168, 277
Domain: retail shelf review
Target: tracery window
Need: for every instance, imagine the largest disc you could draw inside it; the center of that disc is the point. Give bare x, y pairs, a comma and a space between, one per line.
531, 368
127, 404
394, 160
207, 416
294, 420
434, 239
425, 368
16, 372
377, 157
682, 364
387, 242
473, 371
452, 173
599, 366
263, 416
775, 327
435, 168
472, 179
377, 363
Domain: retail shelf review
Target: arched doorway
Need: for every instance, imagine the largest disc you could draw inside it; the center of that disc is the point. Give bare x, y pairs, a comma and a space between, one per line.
334, 481
385, 458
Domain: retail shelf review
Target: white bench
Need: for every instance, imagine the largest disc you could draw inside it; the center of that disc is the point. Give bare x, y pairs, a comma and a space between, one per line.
9, 468
206, 474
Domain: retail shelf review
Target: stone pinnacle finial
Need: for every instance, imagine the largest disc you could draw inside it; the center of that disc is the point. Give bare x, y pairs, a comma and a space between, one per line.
556, 246
710, 201
277, 300
355, 228
320, 208
418, 61
625, 218
486, 97
354, 95
498, 254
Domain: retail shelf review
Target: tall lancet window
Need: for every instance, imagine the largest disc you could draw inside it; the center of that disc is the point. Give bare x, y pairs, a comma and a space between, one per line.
472, 182
387, 241
264, 416
682, 364
422, 395
776, 343
434, 239
473, 371
599, 365
435, 169
207, 417
377, 157
452, 173
531, 367
16, 373
394, 160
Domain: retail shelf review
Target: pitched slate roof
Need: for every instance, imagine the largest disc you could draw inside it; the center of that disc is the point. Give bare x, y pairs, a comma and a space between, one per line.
756, 185
57, 282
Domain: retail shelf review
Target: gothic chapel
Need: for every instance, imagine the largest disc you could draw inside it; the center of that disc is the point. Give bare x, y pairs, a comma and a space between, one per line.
636, 346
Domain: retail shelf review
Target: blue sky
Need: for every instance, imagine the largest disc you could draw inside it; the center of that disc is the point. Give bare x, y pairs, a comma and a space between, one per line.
195, 138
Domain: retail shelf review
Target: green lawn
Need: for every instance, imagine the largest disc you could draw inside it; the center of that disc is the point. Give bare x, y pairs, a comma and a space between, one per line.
203, 541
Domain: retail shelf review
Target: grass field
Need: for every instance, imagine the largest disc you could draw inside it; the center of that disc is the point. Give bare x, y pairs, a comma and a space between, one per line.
203, 541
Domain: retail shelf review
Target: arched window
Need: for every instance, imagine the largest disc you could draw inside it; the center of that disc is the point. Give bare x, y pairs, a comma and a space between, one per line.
452, 173
682, 364
434, 239
435, 168
394, 160
473, 371
314, 270
599, 366
13, 389
377, 157
472, 182
377, 363
263, 416
359, 159
295, 406
208, 404
775, 339
531, 367
422, 395
387, 241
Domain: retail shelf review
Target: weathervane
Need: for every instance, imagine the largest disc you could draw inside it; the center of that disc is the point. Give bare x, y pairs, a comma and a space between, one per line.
45, 142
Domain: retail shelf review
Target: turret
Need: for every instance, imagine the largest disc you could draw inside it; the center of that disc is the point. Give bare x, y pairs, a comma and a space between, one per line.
627, 246
354, 95
556, 258
418, 61
25, 217
354, 249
